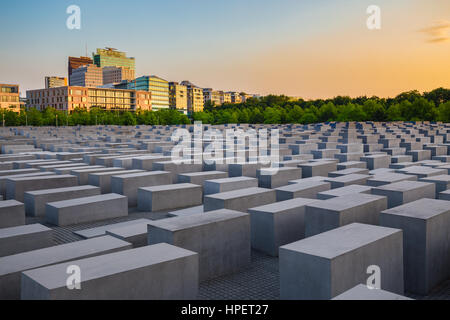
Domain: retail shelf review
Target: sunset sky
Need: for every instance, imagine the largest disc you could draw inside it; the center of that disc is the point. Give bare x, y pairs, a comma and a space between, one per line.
302, 48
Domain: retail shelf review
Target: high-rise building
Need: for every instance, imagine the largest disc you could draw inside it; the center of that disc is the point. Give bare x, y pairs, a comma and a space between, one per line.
75, 63
71, 97
158, 87
178, 97
110, 57
212, 96
87, 76
195, 97
55, 82
9, 97
116, 74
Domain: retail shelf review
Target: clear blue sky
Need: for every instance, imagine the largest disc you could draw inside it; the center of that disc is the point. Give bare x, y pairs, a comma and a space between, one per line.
250, 45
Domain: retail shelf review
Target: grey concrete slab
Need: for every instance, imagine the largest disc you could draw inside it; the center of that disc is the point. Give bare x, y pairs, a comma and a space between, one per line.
347, 180
16, 187
302, 189
441, 182
277, 224
343, 191
157, 272
35, 201
325, 215
12, 213
221, 238
169, 197
403, 192
101, 231
102, 179
335, 261
86, 209
228, 184
239, 200
425, 224
12, 266
277, 177
319, 168
387, 178
128, 184
24, 238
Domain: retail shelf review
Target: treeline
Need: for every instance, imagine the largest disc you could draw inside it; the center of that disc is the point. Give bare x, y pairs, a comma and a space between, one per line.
408, 106
95, 116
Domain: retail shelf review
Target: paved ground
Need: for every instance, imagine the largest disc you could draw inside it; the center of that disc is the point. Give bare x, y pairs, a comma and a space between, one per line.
260, 281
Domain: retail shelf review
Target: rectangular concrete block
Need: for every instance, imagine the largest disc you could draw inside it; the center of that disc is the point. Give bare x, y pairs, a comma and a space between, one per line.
103, 179
336, 212
441, 182
16, 187
387, 178
239, 200
328, 264
344, 191
221, 238
128, 184
101, 230
425, 224
277, 224
277, 177
200, 177
24, 238
405, 191
228, 184
35, 201
319, 168
167, 197
302, 189
12, 213
157, 272
87, 209
377, 161
12, 266
347, 180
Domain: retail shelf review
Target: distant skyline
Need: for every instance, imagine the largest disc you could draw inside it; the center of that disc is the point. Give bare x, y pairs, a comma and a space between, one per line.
302, 48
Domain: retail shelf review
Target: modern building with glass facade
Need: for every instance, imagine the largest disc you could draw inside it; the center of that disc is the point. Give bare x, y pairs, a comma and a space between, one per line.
71, 97
110, 57
87, 76
114, 75
9, 97
178, 97
158, 87
76, 62
55, 82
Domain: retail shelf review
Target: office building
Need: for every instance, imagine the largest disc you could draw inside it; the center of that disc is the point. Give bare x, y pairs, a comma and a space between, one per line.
115, 75
72, 97
158, 87
75, 63
195, 97
212, 96
178, 97
87, 76
110, 57
55, 82
9, 97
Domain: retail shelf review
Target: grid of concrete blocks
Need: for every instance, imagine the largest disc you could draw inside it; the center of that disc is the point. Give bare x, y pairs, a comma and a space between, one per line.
352, 211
